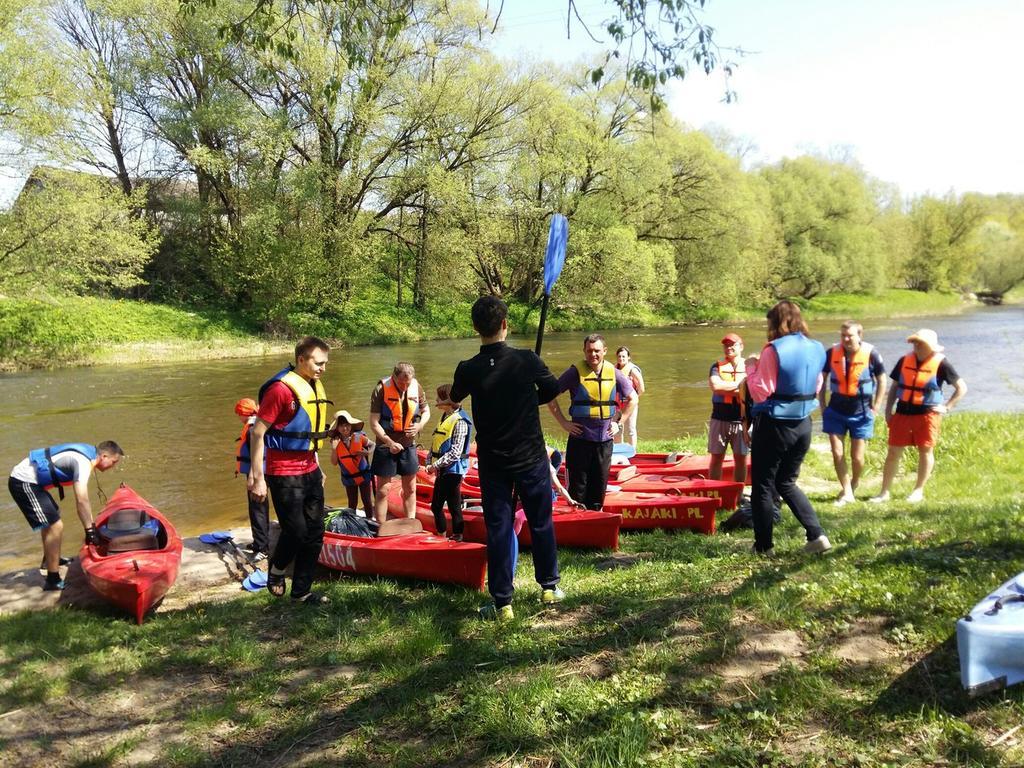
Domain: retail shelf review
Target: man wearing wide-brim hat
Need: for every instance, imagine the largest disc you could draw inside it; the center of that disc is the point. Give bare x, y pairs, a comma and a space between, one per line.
917, 395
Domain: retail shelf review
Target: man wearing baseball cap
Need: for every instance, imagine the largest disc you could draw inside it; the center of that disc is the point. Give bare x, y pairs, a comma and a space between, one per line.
725, 427
917, 394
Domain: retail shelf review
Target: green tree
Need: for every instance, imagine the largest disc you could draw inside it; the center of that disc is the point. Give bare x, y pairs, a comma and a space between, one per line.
999, 263
826, 212
942, 253
73, 233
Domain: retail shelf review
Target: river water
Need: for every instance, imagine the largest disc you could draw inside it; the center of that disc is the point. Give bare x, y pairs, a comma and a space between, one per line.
176, 421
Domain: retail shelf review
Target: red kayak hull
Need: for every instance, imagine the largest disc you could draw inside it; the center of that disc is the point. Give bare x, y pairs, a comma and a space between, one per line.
574, 528
413, 556
655, 464
644, 511
133, 581
726, 490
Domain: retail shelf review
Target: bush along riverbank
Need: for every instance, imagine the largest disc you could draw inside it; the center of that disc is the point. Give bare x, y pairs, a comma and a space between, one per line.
679, 650
88, 331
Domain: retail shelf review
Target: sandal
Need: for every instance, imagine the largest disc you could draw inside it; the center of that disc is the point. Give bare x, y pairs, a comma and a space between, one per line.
312, 598
276, 584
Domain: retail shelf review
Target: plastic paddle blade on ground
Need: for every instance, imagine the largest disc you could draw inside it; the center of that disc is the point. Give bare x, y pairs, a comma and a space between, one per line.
624, 449
216, 537
255, 581
554, 258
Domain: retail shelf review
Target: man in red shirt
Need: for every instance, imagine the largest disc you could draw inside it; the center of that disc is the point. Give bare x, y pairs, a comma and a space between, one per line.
290, 426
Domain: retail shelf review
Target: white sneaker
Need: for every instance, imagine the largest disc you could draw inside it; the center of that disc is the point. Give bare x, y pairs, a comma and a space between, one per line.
916, 496
881, 498
818, 546
843, 500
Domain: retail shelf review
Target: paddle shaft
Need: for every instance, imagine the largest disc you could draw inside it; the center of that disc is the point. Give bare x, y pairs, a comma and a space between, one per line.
543, 319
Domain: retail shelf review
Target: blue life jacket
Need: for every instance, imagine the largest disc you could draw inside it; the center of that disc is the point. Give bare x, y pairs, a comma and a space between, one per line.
801, 360
48, 474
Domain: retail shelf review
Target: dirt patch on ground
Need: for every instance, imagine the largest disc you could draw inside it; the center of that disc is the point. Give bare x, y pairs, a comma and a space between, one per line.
622, 560
136, 721
559, 618
864, 643
761, 652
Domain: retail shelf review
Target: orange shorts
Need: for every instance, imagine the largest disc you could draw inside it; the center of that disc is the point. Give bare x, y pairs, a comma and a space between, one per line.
919, 430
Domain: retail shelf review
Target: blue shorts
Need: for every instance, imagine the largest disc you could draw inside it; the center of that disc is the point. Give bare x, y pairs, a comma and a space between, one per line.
387, 464
860, 425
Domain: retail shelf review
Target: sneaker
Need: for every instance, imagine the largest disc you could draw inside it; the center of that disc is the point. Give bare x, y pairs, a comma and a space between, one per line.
881, 498
916, 496
769, 553
818, 546
257, 557
457, 538
552, 596
491, 612
53, 586
844, 500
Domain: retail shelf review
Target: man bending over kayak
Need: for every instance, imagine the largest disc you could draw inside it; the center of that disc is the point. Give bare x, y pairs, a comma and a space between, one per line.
56, 467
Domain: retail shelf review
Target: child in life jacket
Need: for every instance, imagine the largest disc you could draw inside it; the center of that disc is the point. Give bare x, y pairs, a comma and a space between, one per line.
449, 461
350, 452
557, 489
259, 511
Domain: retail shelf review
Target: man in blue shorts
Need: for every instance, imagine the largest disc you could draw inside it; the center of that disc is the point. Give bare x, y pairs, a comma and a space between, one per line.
57, 467
856, 381
398, 411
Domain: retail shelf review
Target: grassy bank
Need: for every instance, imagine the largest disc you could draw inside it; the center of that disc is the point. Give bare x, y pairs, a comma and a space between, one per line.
685, 650
84, 331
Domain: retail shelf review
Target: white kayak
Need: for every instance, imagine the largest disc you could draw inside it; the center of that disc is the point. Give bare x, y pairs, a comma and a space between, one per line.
990, 640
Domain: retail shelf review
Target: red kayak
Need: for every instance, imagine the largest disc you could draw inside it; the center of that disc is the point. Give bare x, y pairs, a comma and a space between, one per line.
411, 555
698, 465
137, 558
662, 510
574, 528
727, 490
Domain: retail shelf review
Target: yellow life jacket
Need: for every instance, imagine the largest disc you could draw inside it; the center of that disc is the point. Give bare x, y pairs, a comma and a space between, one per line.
594, 398
308, 427
442, 441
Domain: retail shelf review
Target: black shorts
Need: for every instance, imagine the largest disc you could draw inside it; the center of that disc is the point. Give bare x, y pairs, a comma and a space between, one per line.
388, 464
36, 504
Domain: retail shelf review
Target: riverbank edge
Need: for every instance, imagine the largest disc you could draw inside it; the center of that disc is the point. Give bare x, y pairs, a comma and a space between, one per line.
73, 332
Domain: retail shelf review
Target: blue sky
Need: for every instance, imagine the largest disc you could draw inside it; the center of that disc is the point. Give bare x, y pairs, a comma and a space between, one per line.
923, 93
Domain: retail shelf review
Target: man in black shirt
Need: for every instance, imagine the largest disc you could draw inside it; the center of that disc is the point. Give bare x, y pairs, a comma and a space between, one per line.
507, 386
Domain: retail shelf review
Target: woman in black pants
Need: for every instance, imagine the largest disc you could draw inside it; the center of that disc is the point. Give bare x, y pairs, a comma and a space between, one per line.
783, 382
449, 461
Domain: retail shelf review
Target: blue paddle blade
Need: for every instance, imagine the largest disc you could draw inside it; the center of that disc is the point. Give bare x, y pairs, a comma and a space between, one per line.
554, 258
624, 449
216, 537
256, 581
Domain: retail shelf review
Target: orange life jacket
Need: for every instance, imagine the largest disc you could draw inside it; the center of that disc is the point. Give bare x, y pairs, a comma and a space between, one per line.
729, 372
854, 380
352, 465
919, 382
400, 409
